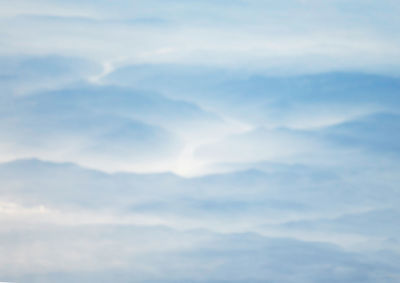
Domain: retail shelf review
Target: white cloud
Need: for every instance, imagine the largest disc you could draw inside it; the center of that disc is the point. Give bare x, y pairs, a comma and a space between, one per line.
269, 43
293, 176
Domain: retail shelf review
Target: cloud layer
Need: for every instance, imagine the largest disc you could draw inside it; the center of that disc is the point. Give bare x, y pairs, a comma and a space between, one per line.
212, 141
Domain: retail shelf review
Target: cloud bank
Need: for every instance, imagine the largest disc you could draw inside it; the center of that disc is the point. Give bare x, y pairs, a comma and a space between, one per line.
213, 141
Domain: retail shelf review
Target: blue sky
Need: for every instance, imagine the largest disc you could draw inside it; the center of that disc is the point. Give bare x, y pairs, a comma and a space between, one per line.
199, 141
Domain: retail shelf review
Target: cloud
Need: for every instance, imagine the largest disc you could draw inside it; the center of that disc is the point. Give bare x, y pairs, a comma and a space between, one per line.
300, 102
255, 198
212, 141
89, 124
249, 35
377, 133
188, 221
69, 124
235, 258
258, 145
24, 75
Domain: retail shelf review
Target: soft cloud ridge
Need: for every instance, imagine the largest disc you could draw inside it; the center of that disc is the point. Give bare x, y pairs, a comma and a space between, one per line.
211, 141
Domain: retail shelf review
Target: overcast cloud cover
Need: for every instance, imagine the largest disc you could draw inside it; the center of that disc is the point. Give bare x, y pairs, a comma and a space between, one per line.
199, 141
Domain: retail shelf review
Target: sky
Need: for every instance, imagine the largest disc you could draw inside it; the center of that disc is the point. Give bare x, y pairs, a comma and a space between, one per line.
199, 141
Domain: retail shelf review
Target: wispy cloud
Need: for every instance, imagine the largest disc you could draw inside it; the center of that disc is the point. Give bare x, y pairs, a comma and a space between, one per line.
187, 141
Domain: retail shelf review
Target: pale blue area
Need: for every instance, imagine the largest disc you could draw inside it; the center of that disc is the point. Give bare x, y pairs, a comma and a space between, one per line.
302, 168
136, 117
